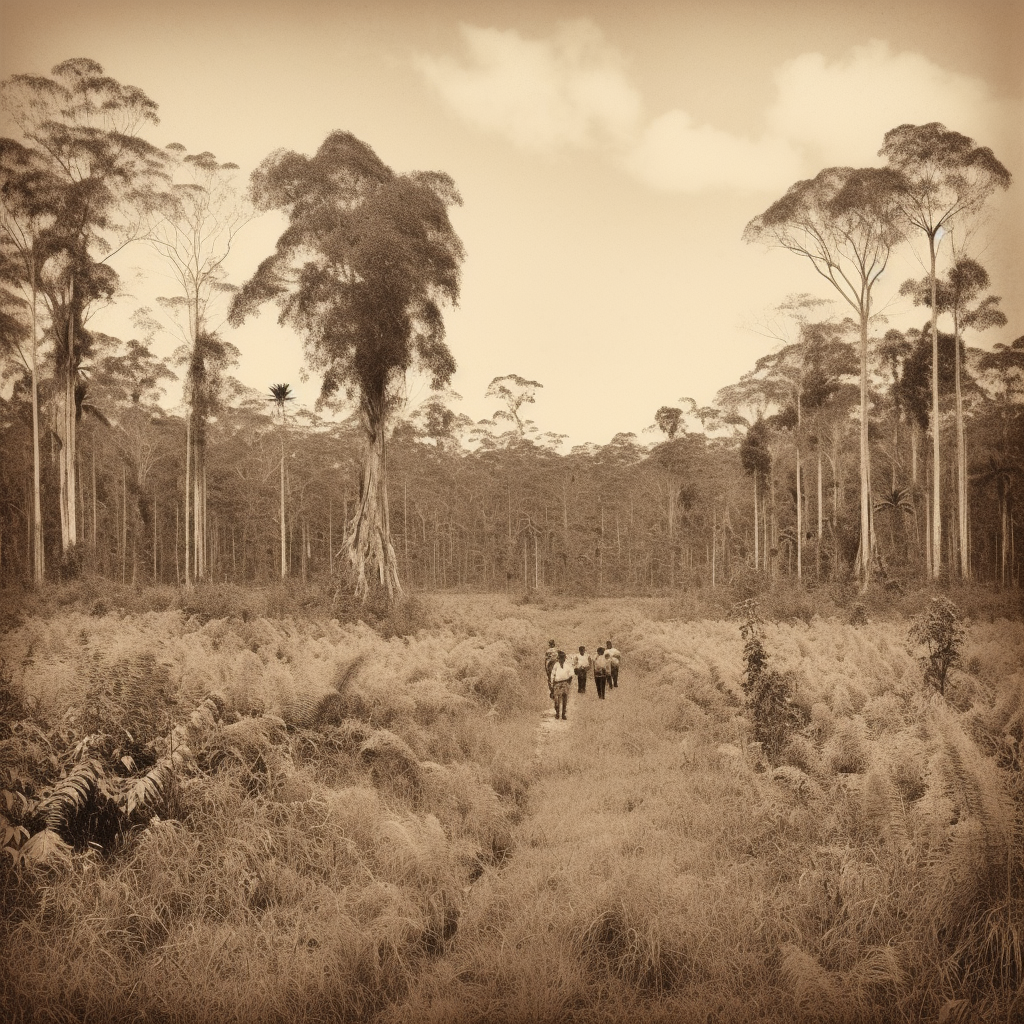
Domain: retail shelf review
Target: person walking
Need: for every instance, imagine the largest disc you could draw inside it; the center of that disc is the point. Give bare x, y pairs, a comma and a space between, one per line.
614, 656
550, 657
581, 665
602, 667
561, 677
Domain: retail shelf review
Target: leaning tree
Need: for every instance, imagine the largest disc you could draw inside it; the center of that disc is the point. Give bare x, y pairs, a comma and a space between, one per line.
362, 271
943, 178
846, 222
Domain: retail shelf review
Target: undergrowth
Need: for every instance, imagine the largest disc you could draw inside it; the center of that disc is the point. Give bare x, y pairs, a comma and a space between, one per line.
356, 826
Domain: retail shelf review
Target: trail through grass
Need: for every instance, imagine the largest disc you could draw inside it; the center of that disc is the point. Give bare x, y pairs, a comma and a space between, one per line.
399, 830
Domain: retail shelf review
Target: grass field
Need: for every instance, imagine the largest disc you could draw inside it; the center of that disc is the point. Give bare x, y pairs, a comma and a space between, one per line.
257, 818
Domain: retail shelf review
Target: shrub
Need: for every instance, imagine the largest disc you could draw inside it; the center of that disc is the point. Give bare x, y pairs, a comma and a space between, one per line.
768, 691
941, 630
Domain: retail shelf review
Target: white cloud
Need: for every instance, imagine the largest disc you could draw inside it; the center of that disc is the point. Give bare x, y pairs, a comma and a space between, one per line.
541, 93
838, 111
572, 90
676, 155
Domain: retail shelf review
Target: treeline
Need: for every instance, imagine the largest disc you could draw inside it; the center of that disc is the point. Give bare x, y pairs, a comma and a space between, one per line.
634, 515
851, 449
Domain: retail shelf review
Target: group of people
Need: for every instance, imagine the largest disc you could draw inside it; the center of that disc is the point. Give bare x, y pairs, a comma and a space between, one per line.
559, 671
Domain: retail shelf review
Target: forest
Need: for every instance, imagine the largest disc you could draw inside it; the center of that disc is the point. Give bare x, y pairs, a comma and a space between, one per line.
842, 430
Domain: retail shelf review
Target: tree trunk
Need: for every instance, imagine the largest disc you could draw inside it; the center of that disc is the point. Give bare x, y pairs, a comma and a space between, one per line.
961, 461
284, 554
817, 548
38, 553
370, 541
936, 552
66, 456
188, 494
714, 543
757, 552
865, 456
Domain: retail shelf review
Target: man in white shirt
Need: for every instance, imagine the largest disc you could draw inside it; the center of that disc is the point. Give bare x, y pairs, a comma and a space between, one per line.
613, 654
581, 665
561, 677
550, 657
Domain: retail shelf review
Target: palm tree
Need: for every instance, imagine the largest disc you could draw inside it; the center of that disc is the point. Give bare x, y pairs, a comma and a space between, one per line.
279, 394
898, 502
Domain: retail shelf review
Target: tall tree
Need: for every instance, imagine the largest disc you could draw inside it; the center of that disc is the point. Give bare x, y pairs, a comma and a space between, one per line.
943, 178
362, 270
103, 177
954, 294
26, 189
193, 231
846, 222
280, 394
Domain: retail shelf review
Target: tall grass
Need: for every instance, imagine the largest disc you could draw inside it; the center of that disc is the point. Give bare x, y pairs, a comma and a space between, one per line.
364, 830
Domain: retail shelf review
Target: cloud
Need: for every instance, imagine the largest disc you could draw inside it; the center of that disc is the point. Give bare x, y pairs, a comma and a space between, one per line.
838, 111
676, 155
571, 89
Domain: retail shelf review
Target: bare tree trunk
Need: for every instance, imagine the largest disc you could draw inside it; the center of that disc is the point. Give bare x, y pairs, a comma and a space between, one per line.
927, 532
284, 553
714, 544
799, 522
936, 556
38, 553
817, 550
188, 489
865, 455
756, 531
961, 462
370, 540
124, 521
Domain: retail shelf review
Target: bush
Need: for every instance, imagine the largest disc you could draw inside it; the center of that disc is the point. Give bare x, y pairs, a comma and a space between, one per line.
941, 630
768, 691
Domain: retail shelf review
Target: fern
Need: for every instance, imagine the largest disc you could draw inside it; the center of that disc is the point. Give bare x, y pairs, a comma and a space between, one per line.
71, 795
150, 793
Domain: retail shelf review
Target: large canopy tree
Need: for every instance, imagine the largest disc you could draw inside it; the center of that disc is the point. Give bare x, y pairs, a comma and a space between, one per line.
943, 178
362, 271
102, 177
846, 222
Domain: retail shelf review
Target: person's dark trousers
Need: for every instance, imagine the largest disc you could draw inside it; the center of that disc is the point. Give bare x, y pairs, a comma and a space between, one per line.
563, 699
581, 681
599, 682
615, 675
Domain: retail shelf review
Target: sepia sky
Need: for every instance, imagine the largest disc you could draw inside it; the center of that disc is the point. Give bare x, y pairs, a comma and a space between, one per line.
608, 155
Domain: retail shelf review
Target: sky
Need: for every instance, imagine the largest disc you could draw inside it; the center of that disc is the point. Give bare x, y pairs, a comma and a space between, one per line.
608, 157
